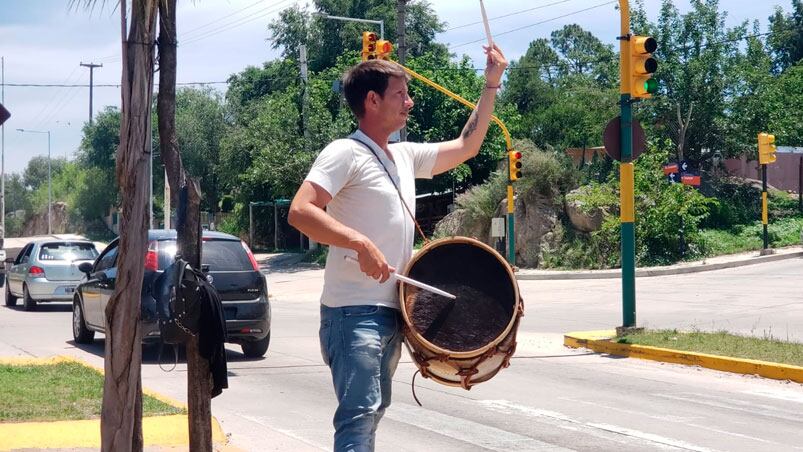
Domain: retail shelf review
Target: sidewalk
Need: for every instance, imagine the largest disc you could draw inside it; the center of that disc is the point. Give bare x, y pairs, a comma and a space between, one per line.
708, 264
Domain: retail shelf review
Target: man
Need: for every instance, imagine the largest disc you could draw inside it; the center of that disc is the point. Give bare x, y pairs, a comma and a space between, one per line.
352, 201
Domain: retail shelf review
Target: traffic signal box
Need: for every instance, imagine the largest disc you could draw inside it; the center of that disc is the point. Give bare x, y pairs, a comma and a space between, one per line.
642, 67
766, 148
369, 45
374, 48
514, 165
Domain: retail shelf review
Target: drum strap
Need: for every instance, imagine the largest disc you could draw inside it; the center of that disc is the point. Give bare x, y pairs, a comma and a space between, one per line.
418, 226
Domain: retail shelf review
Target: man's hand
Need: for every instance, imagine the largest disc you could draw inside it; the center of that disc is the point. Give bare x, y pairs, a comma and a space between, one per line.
373, 262
495, 65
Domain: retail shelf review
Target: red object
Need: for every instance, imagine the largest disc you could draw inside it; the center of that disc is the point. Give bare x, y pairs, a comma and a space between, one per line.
152, 257
250, 256
517, 155
671, 168
387, 47
34, 270
688, 179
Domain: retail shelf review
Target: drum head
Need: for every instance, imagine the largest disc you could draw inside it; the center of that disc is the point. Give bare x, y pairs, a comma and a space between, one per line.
485, 308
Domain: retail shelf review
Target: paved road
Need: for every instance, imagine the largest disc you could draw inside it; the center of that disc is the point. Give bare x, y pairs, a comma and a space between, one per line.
551, 398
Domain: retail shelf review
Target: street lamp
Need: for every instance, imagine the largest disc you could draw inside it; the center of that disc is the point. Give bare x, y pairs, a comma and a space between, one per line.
354, 19
49, 183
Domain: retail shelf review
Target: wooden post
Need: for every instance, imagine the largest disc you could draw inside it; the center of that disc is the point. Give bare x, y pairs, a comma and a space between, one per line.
199, 378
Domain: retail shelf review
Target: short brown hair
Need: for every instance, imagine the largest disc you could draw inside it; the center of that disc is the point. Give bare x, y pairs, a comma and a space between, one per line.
371, 75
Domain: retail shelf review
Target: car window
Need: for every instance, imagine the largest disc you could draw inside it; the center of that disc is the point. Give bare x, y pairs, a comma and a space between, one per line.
107, 260
67, 251
219, 255
24, 252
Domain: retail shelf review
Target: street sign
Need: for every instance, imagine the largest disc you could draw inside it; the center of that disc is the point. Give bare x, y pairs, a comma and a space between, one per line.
690, 179
672, 177
4, 114
613, 145
671, 168
684, 166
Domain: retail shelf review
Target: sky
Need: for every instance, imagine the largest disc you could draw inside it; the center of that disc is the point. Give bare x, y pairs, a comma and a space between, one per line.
45, 41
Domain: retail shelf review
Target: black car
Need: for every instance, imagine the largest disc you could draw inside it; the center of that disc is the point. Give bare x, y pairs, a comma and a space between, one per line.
228, 264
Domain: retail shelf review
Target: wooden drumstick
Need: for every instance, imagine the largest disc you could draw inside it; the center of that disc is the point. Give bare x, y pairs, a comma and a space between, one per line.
412, 282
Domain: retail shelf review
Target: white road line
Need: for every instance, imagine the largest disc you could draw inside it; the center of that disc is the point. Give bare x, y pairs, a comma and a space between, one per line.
290, 433
465, 430
569, 422
777, 394
736, 405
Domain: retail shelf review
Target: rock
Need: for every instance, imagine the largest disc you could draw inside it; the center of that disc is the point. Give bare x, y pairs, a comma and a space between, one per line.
535, 220
459, 223
583, 218
59, 223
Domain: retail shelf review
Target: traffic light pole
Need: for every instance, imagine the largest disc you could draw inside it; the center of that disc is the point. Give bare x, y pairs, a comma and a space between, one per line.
626, 176
764, 215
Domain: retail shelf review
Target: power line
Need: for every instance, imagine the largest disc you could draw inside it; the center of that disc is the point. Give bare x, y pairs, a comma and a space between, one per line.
534, 24
508, 15
236, 24
190, 31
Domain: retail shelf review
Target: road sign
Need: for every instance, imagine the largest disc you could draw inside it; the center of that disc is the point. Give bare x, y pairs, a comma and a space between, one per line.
684, 166
673, 178
613, 145
671, 168
690, 179
498, 227
4, 114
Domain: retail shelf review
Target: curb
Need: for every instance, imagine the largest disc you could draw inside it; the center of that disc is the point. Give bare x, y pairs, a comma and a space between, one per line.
169, 430
655, 271
600, 342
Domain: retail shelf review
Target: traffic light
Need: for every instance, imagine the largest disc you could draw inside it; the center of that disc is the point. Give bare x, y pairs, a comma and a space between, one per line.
642, 66
514, 164
766, 148
383, 49
369, 45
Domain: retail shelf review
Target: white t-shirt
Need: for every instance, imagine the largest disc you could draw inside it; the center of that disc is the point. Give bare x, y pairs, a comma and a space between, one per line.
364, 199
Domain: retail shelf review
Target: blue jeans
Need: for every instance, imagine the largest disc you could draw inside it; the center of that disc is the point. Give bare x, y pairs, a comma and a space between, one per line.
361, 345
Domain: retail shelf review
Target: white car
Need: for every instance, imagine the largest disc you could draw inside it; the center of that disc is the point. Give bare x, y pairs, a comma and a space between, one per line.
47, 270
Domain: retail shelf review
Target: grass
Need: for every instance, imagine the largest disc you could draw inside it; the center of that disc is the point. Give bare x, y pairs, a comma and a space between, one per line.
57, 392
721, 343
781, 232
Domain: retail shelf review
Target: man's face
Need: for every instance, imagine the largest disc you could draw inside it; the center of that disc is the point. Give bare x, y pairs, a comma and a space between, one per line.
395, 105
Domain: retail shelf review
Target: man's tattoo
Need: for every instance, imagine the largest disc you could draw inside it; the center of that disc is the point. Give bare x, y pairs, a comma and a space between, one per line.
471, 126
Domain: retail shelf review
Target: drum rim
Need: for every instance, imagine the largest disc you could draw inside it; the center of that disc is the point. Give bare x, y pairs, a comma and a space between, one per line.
434, 348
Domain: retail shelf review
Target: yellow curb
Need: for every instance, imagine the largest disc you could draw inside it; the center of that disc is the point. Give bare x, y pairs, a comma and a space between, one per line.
599, 341
156, 430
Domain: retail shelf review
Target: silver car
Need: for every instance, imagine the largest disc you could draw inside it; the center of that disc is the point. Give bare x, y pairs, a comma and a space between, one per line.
47, 270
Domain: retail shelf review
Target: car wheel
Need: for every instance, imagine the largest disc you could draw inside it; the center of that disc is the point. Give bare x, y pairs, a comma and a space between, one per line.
11, 300
80, 332
256, 349
28, 303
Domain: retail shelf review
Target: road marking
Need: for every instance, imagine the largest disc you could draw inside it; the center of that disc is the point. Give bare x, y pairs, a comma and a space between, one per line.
507, 407
737, 405
777, 394
467, 431
290, 433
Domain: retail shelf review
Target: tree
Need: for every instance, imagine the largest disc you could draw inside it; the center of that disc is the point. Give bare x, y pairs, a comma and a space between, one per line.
786, 36
100, 141
584, 54
35, 174
326, 38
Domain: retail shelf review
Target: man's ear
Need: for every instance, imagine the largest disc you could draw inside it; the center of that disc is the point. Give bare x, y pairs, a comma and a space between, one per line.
372, 100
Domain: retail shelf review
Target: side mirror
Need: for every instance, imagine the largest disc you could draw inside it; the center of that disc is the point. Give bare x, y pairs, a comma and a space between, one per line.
85, 267
9, 260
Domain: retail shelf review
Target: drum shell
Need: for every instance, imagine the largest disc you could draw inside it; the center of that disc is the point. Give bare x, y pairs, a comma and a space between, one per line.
453, 367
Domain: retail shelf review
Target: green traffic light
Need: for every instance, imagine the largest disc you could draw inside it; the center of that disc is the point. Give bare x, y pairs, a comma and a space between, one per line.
651, 86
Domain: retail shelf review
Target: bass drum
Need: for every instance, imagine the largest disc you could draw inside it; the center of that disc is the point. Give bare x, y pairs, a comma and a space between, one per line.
464, 341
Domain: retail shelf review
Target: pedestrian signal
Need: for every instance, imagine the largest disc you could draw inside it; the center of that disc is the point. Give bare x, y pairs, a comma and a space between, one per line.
514, 165
766, 148
369, 45
642, 67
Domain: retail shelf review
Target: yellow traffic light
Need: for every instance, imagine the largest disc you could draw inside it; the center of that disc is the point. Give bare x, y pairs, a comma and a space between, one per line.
514, 165
383, 49
766, 148
369, 45
642, 66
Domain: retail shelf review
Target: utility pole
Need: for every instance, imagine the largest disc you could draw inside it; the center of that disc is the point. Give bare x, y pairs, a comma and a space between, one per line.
401, 29
302, 51
3, 158
91, 67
